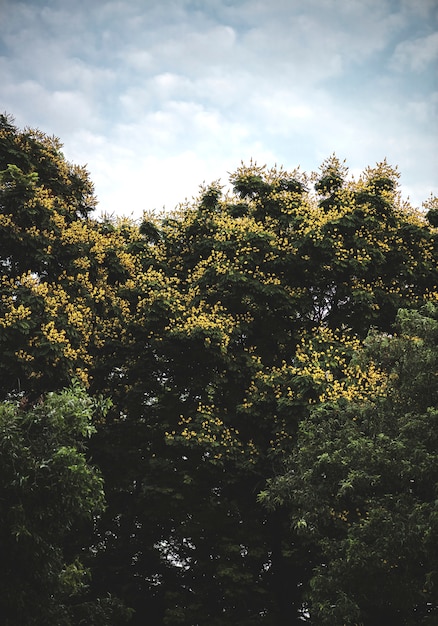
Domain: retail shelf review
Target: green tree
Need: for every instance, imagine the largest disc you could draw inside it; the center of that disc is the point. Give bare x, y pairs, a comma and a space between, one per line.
47, 488
362, 486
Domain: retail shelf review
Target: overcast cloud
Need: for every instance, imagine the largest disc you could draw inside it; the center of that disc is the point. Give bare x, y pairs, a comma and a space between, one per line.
158, 96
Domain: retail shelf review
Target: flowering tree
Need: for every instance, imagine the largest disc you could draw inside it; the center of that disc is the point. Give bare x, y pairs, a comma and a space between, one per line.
66, 278
218, 331
274, 288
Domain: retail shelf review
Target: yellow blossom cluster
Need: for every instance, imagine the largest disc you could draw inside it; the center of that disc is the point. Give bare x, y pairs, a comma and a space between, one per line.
22, 355
6, 220
217, 440
323, 369
76, 232
41, 197
13, 313
82, 263
211, 322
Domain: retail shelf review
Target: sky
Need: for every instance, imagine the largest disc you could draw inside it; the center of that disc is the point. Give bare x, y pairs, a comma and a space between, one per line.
157, 97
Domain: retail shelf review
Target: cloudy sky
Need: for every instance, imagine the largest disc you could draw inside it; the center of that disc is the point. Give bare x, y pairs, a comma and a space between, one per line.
157, 96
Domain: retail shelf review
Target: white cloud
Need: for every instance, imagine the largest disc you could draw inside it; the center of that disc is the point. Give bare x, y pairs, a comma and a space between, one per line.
158, 96
60, 111
417, 54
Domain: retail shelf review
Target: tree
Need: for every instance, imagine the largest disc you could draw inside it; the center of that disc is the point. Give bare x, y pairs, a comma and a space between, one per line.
273, 289
65, 277
362, 485
47, 488
216, 330
64, 283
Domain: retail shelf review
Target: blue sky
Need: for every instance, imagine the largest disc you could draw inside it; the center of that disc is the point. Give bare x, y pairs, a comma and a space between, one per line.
156, 97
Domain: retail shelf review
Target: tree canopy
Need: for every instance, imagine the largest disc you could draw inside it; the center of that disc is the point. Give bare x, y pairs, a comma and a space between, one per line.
270, 357
47, 488
361, 485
